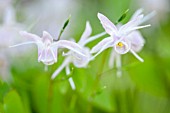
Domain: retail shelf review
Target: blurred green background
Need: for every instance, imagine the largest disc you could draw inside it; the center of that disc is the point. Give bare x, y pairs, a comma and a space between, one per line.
143, 88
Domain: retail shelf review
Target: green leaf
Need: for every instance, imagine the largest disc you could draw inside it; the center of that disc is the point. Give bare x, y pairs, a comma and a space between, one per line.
64, 26
123, 16
13, 103
4, 88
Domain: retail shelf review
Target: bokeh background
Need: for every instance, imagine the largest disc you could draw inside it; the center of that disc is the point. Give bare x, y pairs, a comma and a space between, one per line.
26, 88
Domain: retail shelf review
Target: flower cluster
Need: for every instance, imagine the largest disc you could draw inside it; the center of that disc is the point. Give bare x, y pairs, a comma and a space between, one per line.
122, 39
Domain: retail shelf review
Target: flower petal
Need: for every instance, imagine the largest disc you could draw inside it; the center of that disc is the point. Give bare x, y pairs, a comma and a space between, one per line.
137, 56
30, 36
101, 44
62, 66
81, 61
109, 27
137, 41
125, 29
112, 58
137, 13
105, 46
122, 47
70, 79
47, 37
86, 34
46, 55
69, 45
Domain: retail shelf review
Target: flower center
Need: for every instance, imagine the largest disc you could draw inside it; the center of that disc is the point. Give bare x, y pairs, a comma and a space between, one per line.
120, 44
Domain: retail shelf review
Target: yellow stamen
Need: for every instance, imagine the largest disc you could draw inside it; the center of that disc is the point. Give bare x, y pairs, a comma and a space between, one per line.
120, 44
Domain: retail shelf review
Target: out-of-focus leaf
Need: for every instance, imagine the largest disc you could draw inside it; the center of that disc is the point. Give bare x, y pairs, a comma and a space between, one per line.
40, 92
13, 103
4, 88
145, 77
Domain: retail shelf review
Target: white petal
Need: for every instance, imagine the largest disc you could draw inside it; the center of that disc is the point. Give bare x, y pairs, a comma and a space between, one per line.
30, 36
98, 47
137, 41
137, 13
94, 37
46, 55
24, 43
138, 27
105, 46
125, 29
137, 56
124, 49
112, 58
81, 61
86, 34
109, 27
62, 66
69, 45
70, 79
118, 65
47, 37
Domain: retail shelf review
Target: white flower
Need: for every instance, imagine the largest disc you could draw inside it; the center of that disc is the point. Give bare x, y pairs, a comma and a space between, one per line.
119, 36
123, 38
47, 47
78, 60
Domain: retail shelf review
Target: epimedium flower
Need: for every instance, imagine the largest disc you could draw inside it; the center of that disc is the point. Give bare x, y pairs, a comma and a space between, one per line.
78, 60
123, 38
47, 47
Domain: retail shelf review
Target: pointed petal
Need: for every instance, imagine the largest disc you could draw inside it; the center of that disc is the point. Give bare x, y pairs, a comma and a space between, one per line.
69, 45
94, 37
112, 58
101, 44
125, 29
30, 36
47, 37
86, 34
105, 46
70, 79
24, 43
137, 13
62, 66
118, 65
109, 27
46, 55
137, 41
137, 56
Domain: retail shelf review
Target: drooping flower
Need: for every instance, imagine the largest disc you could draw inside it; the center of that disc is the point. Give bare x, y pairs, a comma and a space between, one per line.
78, 60
123, 38
47, 47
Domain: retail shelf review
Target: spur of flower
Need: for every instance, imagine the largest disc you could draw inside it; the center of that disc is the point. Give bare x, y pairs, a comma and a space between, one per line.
78, 60
123, 38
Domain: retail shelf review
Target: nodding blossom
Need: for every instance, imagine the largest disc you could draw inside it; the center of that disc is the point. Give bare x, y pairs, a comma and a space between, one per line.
123, 38
48, 48
78, 60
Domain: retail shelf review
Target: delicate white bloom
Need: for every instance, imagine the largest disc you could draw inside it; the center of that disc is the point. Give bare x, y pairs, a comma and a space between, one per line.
120, 37
123, 38
9, 28
47, 47
162, 7
78, 60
